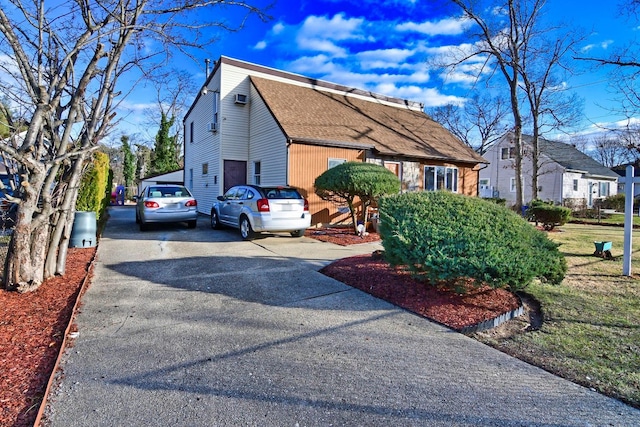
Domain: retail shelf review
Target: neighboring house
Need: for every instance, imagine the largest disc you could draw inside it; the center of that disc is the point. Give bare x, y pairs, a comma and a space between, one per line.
256, 125
622, 178
175, 177
566, 175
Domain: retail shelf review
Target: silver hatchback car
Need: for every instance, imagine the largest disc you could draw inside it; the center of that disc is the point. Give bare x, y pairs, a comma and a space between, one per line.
166, 203
254, 209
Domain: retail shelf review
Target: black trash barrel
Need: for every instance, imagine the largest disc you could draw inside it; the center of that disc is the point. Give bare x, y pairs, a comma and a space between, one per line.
83, 233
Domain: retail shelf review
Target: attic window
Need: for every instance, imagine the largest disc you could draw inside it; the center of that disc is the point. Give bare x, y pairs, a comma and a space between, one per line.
240, 98
508, 153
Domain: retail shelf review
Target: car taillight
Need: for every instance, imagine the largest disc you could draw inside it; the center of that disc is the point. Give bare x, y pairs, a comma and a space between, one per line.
306, 205
263, 205
151, 204
191, 203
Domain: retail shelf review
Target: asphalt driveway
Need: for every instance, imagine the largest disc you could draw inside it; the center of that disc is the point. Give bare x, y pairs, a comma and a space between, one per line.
198, 328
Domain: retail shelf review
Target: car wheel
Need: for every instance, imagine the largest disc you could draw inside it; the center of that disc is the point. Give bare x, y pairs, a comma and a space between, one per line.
192, 224
245, 229
215, 222
297, 233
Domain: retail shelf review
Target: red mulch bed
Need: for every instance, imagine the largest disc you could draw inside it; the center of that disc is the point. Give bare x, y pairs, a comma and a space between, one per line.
342, 236
32, 327
376, 277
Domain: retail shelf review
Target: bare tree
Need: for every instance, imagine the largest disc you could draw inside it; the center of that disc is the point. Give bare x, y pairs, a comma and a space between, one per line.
503, 29
478, 123
624, 65
610, 150
551, 107
62, 65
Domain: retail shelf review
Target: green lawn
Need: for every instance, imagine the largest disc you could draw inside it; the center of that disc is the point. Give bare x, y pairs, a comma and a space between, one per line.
591, 328
611, 219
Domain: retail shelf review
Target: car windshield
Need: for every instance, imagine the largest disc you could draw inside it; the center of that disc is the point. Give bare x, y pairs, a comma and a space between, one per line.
176, 191
281, 193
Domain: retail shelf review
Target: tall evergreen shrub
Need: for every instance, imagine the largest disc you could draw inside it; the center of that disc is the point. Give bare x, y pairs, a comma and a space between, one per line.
93, 194
442, 236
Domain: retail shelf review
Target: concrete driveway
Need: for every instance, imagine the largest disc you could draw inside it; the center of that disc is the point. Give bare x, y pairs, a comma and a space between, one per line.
198, 328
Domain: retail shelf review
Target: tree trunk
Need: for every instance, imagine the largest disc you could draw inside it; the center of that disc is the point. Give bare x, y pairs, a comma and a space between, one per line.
57, 254
24, 267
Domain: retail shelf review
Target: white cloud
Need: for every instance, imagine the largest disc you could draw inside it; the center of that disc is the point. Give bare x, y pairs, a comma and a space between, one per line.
383, 58
605, 44
317, 33
587, 48
278, 28
447, 26
312, 65
260, 45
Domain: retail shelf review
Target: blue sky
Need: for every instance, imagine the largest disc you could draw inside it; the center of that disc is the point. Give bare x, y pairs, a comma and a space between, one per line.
385, 47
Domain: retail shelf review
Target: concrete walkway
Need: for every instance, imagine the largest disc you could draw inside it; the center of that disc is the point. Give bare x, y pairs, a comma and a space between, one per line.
198, 328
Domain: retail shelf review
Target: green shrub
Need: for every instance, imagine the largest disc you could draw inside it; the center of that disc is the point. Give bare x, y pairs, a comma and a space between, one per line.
441, 236
548, 215
348, 181
93, 193
615, 202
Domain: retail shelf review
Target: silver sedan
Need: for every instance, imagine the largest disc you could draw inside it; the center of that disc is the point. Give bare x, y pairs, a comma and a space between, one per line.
253, 209
166, 203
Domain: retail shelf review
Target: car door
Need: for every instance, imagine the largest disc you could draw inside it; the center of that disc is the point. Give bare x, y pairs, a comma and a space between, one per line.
236, 205
225, 206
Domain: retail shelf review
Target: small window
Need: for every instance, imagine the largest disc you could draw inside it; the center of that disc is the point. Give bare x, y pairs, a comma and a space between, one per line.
216, 106
257, 169
604, 189
575, 185
191, 126
205, 168
508, 153
335, 162
512, 185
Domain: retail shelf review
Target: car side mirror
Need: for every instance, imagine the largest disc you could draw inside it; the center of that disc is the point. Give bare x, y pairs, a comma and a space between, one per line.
221, 198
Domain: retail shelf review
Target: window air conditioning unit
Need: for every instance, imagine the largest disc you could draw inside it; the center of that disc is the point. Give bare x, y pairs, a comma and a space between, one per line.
241, 98
213, 127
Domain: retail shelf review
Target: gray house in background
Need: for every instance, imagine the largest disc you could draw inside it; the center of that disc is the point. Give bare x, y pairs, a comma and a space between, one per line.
566, 175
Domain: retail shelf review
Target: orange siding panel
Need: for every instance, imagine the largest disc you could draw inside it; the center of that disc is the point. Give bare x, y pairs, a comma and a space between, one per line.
306, 163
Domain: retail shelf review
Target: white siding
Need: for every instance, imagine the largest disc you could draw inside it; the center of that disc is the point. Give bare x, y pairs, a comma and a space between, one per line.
268, 144
234, 118
205, 148
554, 182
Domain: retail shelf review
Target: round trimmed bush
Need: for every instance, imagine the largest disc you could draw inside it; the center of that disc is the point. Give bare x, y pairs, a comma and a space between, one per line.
442, 236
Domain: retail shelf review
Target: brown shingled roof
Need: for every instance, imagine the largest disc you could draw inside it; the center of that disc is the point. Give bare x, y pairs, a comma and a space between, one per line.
319, 117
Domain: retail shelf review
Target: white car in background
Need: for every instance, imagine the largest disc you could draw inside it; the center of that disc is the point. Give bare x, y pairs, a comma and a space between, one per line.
254, 209
166, 203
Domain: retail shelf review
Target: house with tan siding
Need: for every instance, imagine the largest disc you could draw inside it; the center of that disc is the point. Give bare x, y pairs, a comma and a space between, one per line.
251, 124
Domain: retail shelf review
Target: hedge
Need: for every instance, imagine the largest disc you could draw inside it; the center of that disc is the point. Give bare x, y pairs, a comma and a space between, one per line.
442, 236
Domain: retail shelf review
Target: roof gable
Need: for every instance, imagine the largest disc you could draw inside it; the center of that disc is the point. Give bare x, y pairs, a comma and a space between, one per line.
311, 115
571, 158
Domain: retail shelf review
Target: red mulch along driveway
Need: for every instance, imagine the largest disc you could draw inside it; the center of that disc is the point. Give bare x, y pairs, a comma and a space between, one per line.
32, 327
376, 277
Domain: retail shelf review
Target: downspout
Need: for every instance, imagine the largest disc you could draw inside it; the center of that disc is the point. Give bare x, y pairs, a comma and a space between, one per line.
289, 142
